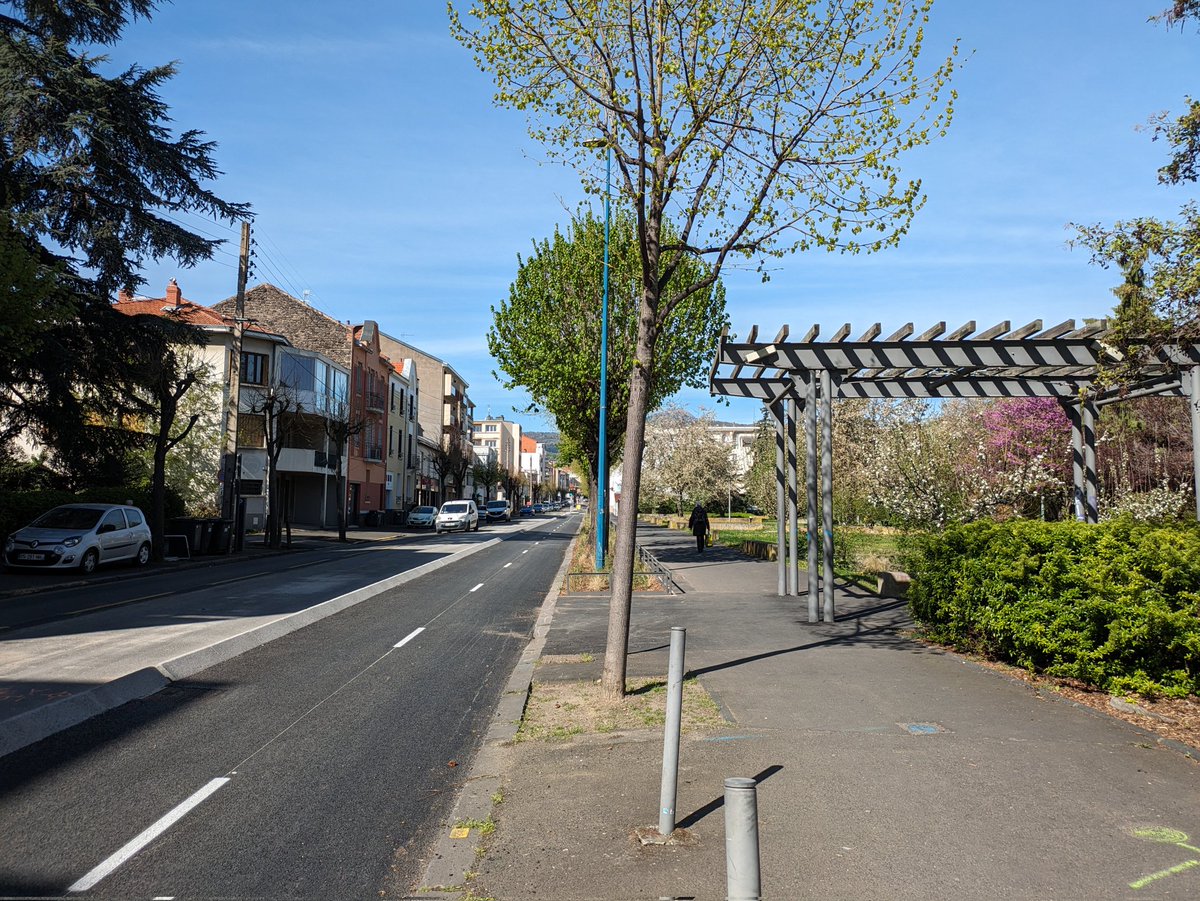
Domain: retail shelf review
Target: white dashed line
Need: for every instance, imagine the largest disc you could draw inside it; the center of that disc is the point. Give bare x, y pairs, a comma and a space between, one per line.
507, 565
409, 637
154, 831
477, 587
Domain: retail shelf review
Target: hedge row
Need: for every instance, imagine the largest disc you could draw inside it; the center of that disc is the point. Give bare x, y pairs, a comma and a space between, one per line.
1115, 605
19, 508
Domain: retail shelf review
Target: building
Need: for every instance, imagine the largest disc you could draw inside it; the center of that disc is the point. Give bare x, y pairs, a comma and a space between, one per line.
356, 410
445, 413
535, 468
502, 436
402, 435
268, 363
739, 439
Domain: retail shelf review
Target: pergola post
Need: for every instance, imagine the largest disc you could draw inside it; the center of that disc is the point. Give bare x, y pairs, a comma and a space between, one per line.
827, 491
793, 576
810, 434
1089, 461
1194, 408
777, 410
1072, 410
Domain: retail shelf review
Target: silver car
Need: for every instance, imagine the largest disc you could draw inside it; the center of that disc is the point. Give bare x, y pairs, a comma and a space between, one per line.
80, 536
421, 516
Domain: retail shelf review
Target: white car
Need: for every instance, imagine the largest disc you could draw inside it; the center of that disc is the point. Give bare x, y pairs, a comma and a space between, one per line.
421, 517
457, 515
80, 536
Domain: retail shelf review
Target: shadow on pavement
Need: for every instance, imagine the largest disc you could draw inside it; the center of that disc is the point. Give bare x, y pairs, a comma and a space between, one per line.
717, 803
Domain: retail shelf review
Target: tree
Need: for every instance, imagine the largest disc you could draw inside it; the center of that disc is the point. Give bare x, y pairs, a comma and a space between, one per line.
279, 409
488, 476
1159, 299
758, 128
546, 337
90, 174
451, 462
339, 428
684, 461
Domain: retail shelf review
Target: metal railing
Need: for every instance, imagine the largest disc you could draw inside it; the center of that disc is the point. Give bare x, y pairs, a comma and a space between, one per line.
652, 567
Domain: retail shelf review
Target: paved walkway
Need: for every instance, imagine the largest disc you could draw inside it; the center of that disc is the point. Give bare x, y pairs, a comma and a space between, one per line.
885, 768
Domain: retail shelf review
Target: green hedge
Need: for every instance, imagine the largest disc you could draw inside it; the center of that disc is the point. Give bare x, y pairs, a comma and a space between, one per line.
19, 508
1116, 605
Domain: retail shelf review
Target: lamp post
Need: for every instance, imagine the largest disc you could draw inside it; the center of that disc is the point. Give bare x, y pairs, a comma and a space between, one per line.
602, 461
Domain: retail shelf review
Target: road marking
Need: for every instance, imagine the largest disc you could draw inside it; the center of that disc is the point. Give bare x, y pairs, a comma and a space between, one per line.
526, 551
145, 597
477, 587
507, 565
411, 635
146, 837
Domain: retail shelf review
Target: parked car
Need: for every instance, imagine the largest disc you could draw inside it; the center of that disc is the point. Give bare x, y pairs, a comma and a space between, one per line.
81, 536
498, 511
422, 517
538, 508
527, 510
457, 515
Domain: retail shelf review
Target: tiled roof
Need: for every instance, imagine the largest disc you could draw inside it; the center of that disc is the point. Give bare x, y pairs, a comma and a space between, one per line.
187, 311
303, 325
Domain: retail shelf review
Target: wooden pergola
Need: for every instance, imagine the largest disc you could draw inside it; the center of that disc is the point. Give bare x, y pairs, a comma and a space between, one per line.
805, 376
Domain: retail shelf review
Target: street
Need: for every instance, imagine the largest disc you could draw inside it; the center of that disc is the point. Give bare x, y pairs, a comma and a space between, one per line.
318, 765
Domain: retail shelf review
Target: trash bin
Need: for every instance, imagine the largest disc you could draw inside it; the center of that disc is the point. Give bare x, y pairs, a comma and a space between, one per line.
222, 536
371, 519
192, 530
204, 536
396, 517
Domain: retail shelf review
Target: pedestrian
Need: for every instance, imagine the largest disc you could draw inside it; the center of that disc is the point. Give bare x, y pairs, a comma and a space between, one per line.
698, 523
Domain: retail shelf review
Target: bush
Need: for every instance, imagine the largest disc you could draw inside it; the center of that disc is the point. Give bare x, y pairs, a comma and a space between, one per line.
1116, 605
19, 508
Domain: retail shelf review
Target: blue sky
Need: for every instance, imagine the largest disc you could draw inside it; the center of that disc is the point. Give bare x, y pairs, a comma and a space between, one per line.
387, 184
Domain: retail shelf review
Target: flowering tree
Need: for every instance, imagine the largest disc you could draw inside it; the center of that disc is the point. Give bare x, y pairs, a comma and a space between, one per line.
684, 462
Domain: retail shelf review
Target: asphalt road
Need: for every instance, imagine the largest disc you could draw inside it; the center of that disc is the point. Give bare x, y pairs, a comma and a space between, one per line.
317, 766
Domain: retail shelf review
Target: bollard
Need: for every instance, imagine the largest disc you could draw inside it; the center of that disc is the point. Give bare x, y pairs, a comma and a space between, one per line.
670, 770
742, 882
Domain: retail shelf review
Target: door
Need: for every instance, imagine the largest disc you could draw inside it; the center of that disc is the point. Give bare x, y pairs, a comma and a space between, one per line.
115, 539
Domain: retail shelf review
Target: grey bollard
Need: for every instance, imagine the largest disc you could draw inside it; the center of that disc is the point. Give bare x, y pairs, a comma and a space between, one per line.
742, 882
670, 770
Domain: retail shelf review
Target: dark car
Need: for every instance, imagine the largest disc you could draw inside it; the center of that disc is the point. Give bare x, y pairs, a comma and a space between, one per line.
527, 510
538, 508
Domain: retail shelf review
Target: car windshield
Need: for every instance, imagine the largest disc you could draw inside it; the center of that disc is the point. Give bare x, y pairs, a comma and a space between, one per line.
454, 508
68, 518
497, 505
424, 510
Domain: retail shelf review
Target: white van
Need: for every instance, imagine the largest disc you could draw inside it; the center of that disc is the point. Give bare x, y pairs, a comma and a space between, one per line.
457, 515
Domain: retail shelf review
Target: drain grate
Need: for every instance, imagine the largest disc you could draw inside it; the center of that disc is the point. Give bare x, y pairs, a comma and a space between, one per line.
922, 728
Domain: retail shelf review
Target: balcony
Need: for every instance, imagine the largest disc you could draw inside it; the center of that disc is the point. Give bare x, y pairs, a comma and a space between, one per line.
373, 453
375, 402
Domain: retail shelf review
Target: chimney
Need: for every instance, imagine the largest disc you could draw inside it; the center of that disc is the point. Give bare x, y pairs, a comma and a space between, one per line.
124, 296
174, 295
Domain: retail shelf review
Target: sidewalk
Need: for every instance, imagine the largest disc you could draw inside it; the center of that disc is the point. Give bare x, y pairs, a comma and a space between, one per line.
886, 769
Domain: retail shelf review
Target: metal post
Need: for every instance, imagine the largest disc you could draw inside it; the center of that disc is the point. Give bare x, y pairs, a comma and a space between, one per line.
670, 770
810, 437
1194, 407
780, 500
742, 879
827, 491
793, 498
1089, 461
1074, 414
602, 454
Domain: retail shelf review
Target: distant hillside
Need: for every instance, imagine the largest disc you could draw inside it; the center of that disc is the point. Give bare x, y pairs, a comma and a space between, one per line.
549, 440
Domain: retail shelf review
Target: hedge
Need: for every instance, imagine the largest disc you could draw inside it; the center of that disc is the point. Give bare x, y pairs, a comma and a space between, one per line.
1115, 605
19, 508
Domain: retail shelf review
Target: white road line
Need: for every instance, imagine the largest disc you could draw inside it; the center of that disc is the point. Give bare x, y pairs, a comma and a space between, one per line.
409, 637
507, 565
135, 845
526, 551
477, 587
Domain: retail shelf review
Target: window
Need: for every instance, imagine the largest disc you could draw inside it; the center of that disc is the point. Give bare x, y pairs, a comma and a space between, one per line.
490, 427
134, 517
297, 372
114, 518
254, 368
251, 431
391, 441
392, 405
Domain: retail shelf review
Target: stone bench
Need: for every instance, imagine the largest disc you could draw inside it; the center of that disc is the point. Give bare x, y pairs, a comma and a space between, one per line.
892, 583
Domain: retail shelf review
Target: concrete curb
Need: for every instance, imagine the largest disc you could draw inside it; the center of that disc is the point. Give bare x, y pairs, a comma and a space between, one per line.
27, 728
451, 859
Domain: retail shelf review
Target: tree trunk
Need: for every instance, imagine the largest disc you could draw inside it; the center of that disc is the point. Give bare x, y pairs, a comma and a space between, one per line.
341, 507
158, 502
613, 681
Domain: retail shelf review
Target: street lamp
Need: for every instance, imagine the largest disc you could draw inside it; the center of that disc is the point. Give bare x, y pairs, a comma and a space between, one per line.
602, 462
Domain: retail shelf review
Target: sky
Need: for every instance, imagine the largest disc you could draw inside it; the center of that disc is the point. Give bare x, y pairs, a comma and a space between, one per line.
388, 186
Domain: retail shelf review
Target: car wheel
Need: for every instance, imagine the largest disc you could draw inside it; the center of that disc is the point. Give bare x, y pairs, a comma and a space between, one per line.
90, 561
143, 555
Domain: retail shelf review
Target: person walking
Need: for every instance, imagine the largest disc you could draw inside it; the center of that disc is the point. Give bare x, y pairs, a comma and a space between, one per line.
698, 523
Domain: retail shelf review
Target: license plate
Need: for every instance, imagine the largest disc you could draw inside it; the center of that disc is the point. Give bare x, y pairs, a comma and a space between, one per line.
31, 556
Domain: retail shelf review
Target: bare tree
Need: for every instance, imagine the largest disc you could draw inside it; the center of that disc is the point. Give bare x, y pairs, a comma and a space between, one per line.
280, 411
340, 427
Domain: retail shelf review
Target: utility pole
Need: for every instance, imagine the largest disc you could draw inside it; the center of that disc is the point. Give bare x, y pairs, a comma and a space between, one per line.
229, 459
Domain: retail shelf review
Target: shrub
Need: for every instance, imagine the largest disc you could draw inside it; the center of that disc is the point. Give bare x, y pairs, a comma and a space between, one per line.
1115, 605
19, 508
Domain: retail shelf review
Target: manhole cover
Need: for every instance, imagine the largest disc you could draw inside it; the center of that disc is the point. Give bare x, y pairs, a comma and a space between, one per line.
921, 728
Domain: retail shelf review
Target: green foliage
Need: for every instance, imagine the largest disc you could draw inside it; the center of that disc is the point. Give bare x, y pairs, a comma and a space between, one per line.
1115, 605
546, 337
